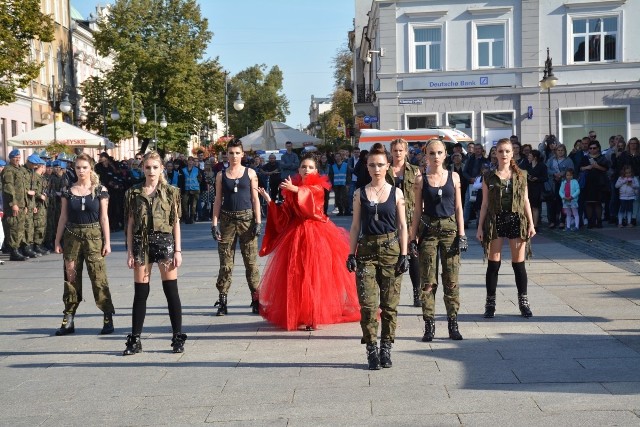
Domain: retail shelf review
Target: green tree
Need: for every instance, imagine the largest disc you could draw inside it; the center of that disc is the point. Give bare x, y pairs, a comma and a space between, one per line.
157, 47
342, 97
342, 66
20, 22
263, 98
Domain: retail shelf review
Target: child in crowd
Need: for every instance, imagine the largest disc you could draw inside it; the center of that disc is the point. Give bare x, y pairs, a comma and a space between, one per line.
628, 186
569, 192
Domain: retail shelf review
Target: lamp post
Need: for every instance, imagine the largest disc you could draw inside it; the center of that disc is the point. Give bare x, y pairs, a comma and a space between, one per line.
548, 81
238, 104
163, 124
142, 120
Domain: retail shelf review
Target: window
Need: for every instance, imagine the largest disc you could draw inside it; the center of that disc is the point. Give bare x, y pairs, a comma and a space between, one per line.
14, 128
421, 121
604, 121
462, 122
427, 48
490, 46
595, 39
3, 131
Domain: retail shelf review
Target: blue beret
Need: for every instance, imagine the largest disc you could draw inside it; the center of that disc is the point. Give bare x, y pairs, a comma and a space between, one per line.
63, 165
49, 164
14, 153
55, 163
2, 163
34, 159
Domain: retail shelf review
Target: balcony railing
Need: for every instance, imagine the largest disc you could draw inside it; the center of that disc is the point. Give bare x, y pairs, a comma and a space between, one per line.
365, 94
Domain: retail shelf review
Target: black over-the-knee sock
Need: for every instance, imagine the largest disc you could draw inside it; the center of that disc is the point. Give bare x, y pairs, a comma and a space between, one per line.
492, 277
141, 293
521, 277
170, 288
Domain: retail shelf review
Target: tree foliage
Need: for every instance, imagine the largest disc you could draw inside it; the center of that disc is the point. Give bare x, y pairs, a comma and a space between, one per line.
342, 97
263, 98
156, 46
342, 65
20, 22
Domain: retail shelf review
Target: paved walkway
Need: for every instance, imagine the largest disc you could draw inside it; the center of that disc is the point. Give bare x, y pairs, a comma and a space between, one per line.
576, 362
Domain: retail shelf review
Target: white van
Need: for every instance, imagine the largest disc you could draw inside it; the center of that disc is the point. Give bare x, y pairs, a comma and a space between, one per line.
414, 137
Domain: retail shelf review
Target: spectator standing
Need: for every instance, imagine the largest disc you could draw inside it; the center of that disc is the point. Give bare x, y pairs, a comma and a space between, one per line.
595, 165
470, 172
289, 162
339, 177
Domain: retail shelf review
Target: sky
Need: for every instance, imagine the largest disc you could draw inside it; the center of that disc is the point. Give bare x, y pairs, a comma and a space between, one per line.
299, 36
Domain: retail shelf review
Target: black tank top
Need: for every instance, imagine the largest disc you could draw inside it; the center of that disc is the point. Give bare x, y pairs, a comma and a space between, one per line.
84, 209
439, 206
236, 193
386, 222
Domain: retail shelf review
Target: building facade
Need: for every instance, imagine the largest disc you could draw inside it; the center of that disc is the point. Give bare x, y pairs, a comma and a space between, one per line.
477, 66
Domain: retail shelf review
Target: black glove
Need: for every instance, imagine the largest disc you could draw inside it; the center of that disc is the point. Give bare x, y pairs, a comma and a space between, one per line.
413, 248
460, 244
402, 265
256, 229
352, 265
215, 232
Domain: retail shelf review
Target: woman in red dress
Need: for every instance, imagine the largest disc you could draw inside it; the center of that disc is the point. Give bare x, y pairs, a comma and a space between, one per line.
305, 282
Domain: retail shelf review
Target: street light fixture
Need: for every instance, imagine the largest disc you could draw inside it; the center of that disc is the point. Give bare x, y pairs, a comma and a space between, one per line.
548, 81
238, 104
65, 105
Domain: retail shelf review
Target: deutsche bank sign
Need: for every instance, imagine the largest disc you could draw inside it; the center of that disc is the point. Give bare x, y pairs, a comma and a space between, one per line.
459, 82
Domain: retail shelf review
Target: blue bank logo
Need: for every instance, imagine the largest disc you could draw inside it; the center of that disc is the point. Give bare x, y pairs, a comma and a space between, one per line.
484, 81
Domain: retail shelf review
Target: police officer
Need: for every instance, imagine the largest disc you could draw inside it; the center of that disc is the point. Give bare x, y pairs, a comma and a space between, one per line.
236, 215
438, 226
404, 176
14, 196
381, 256
84, 226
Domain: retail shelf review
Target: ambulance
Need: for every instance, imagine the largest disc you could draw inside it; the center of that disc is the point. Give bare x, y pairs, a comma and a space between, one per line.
416, 138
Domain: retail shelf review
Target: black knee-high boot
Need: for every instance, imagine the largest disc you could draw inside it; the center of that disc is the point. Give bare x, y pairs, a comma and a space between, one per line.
521, 283
170, 288
493, 267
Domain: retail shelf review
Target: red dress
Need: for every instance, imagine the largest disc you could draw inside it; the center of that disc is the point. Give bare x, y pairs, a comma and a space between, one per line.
305, 281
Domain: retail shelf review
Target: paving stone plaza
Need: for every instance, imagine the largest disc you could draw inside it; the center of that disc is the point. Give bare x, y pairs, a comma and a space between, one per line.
575, 363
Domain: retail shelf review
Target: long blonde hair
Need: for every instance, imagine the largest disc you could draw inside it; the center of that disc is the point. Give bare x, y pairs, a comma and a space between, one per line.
153, 155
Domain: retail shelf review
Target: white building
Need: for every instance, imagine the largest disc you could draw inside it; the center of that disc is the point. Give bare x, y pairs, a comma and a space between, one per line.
476, 65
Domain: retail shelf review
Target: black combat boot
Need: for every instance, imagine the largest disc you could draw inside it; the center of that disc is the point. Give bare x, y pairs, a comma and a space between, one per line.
26, 250
40, 249
429, 330
67, 326
416, 296
385, 354
177, 342
17, 256
373, 358
107, 326
490, 307
221, 304
255, 303
523, 303
454, 334
134, 345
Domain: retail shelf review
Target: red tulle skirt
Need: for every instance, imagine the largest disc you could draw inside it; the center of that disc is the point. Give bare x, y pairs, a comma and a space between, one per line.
305, 281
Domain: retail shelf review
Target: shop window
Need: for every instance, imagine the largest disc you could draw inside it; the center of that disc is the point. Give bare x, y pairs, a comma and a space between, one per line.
604, 121
421, 121
497, 125
462, 122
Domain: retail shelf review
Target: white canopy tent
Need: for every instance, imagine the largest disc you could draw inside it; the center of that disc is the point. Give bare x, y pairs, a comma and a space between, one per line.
273, 135
65, 134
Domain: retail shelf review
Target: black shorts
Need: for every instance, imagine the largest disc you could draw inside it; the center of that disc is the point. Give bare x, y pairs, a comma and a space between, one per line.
508, 225
160, 248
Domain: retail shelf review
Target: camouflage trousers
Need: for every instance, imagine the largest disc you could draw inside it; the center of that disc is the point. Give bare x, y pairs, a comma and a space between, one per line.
39, 224
437, 242
29, 224
15, 225
378, 285
82, 243
236, 226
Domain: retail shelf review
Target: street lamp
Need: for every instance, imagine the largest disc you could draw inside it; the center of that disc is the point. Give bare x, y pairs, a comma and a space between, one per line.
548, 81
238, 104
163, 124
142, 120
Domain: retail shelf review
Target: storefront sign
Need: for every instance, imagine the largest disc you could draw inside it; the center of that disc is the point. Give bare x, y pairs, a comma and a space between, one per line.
411, 101
459, 82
